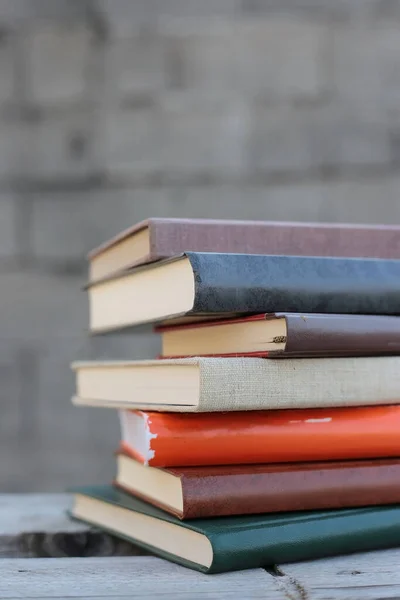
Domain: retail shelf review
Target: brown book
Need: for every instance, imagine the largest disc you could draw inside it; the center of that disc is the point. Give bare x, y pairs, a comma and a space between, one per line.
194, 492
283, 335
157, 238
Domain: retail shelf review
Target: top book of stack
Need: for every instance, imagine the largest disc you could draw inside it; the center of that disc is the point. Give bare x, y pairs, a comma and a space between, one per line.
156, 239
298, 268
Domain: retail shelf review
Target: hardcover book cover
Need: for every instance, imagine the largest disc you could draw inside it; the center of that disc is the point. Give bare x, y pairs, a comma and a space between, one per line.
162, 439
280, 335
214, 491
159, 238
243, 542
229, 285
202, 384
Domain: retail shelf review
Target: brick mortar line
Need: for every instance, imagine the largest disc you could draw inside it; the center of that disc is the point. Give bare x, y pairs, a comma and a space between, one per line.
319, 175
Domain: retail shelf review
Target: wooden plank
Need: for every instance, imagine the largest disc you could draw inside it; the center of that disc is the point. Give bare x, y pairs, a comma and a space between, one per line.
127, 577
366, 576
37, 525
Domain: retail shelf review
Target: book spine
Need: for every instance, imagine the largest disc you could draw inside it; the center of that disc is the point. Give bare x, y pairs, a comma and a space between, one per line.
239, 384
344, 532
345, 335
239, 283
291, 490
296, 239
293, 436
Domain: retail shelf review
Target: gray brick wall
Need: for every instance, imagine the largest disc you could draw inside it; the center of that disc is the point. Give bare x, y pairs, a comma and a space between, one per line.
115, 110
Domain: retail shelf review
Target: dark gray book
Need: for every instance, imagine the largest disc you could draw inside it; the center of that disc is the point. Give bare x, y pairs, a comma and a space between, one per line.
196, 285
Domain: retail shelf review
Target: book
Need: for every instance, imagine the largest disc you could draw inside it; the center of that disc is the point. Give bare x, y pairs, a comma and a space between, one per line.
158, 238
234, 384
199, 492
284, 334
275, 436
241, 542
198, 285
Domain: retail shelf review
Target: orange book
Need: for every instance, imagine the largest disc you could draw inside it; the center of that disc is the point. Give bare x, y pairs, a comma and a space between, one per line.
185, 439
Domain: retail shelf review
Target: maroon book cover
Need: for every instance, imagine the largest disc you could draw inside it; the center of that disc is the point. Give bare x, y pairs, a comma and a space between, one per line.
306, 335
169, 237
250, 489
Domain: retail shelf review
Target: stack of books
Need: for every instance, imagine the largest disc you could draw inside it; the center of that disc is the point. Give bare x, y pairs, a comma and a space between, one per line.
268, 428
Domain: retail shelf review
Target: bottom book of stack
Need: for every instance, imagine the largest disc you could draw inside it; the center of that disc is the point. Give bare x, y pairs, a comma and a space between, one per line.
215, 545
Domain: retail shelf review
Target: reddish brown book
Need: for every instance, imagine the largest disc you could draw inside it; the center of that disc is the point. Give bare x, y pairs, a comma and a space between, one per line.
284, 335
158, 238
194, 492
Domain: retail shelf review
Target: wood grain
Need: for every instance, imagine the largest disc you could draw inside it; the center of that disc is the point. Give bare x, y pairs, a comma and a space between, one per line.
37, 525
127, 577
366, 576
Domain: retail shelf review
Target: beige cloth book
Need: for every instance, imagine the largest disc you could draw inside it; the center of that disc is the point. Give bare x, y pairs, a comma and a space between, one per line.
234, 384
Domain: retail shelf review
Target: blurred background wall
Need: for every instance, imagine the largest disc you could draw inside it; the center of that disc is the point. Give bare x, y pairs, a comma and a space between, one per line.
115, 110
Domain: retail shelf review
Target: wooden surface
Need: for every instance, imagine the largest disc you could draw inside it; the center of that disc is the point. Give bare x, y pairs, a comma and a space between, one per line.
90, 564
124, 577
37, 525
374, 576
366, 576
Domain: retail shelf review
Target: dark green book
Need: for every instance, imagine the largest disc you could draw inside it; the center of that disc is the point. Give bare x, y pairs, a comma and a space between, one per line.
233, 543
